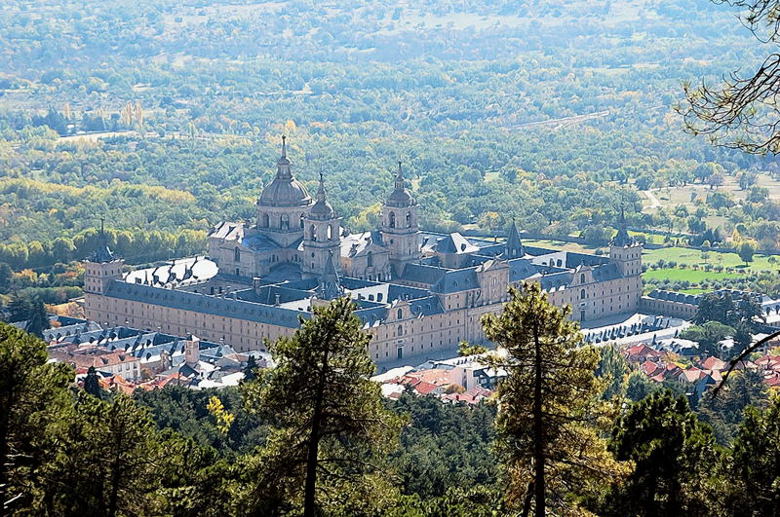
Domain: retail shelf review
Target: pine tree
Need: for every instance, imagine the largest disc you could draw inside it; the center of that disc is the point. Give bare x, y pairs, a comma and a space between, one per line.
33, 400
671, 451
332, 427
753, 467
548, 405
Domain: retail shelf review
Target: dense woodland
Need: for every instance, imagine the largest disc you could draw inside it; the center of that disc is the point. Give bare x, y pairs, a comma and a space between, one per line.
191, 98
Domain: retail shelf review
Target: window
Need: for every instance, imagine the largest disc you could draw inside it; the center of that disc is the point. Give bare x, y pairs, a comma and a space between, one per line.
330, 232
408, 219
400, 331
582, 294
301, 221
392, 220
313, 233
284, 222
400, 314
266, 221
236, 255
582, 278
369, 259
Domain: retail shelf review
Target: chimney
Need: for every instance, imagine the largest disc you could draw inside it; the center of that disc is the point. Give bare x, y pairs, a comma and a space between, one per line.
192, 351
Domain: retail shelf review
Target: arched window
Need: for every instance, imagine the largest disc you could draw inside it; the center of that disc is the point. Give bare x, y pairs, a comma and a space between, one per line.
392, 219
582, 278
284, 222
330, 232
582, 294
313, 233
237, 255
301, 221
400, 314
408, 219
266, 221
400, 331
369, 259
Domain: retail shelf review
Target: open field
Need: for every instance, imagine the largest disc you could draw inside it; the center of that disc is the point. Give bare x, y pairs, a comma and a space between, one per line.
691, 275
694, 257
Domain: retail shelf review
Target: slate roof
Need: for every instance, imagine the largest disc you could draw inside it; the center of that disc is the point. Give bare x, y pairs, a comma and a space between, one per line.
520, 269
185, 300
455, 243
671, 296
456, 280
606, 272
424, 274
355, 244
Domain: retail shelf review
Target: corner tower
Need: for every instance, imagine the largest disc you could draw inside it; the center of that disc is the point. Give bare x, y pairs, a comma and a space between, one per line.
101, 267
399, 229
625, 251
322, 234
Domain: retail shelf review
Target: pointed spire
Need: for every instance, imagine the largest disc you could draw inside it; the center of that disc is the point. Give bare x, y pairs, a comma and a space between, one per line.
399, 178
283, 164
329, 285
513, 248
321, 209
622, 238
102, 252
321, 189
400, 197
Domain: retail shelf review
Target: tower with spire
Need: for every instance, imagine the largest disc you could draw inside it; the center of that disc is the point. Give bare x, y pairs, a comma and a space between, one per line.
399, 229
625, 250
321, 235
329, 286
513, 248
102, 266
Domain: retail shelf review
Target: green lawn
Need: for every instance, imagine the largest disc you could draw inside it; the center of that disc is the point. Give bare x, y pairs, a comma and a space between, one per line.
691, 257
691, 275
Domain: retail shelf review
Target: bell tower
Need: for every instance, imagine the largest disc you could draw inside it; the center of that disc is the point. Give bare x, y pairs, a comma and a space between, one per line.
321, 235
399, 229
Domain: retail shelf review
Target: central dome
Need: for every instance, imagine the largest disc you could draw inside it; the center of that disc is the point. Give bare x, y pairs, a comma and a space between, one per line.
284, 190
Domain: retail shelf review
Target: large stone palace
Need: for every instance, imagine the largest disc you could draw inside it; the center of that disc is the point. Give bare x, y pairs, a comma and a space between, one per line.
417, 293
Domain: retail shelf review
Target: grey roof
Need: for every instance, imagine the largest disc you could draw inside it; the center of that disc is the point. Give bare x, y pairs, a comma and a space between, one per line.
455, 243
426, 306
227, 307
456, 280
555, 280
520, 269
672, 296
424, 274
356, 244
606, 272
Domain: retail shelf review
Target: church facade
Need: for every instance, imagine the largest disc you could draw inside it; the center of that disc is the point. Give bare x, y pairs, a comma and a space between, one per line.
416, 293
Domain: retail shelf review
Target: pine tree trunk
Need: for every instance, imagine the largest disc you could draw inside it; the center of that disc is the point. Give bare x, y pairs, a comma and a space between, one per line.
309, 503
539, 488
